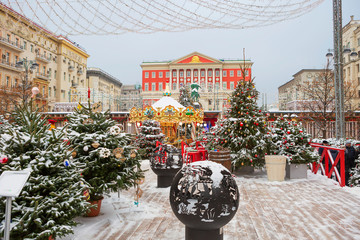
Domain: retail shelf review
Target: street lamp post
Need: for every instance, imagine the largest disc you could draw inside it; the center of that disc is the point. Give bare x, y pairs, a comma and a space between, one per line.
29, 66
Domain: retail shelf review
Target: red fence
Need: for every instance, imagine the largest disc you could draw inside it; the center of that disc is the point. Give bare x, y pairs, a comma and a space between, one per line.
328, 164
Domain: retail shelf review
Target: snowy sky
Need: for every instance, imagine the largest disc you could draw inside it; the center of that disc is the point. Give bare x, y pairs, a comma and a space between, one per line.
278, 51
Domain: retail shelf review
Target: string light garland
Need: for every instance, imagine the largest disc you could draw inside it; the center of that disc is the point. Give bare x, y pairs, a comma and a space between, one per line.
104, 17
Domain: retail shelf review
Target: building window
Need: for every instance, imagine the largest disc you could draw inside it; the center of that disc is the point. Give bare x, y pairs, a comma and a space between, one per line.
160, 75
44, 70
7, 81
49, 72
64, 76
188, 74
16, 59
25, 45
224, 73
15, 82
167, 74
217, 86
146, 74
181, 74
217, 73
174, 86
153, 87
31, 48
231, 85
239, 73
49, 91
231, 73
195, 73
246, 73
7, 57
69, 77
8, 37
55, 74
202, 73
146, 87
224, 85
209, 73
174, 73
160, 86
43, 91
153, 75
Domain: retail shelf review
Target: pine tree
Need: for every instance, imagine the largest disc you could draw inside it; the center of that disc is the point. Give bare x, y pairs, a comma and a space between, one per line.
110, 162
292, 141
53, 194
150, 133
185, 97
244, 130
354, 179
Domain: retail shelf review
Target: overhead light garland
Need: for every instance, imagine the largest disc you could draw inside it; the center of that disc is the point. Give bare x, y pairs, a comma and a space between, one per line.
104, 17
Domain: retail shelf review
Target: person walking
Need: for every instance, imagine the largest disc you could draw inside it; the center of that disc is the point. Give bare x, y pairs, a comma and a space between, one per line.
350, 155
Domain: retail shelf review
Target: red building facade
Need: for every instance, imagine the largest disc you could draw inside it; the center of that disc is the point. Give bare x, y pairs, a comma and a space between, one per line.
216, 77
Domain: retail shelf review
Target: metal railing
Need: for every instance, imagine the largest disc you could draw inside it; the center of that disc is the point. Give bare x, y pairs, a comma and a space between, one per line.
14, 44
328, 164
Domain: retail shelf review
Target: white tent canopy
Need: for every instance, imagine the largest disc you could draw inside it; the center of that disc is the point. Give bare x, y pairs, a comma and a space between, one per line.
166, 101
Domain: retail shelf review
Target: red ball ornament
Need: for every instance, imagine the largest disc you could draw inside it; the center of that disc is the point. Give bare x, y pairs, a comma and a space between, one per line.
255, 155
259, 110
282, 118
241, 124
301, 131
214, 134
3, 159
247, 113
288, 132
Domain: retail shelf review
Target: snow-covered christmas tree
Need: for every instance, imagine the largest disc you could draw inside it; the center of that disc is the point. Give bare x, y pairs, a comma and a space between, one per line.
53, 194
109, 161
150, 133
185, 97
244, 130
354, 179
292, 141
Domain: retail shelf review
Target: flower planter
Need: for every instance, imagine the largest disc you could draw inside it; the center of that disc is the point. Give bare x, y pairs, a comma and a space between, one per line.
244, 170
222, 157
275, 167
296, 171
94, 211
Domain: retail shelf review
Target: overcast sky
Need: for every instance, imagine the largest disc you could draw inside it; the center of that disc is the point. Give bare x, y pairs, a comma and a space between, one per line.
278, 51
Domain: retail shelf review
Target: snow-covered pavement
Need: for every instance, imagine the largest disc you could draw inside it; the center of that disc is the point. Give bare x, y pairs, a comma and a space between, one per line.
314, 208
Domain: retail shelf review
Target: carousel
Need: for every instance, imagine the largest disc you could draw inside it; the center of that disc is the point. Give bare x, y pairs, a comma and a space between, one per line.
170, 114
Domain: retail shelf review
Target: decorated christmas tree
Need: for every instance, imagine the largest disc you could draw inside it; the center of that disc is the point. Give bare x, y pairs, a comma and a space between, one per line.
354, 179
292, 141
244, 130
53, 194
110, 162
150, 133
185, 98
4, 124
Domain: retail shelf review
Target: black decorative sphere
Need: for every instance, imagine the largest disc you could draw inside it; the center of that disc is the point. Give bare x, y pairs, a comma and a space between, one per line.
165, 162
204, 196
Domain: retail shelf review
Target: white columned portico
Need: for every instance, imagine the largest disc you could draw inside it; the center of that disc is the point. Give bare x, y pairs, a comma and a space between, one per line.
192, 75
170, 80
221, 75
177, 80
206, 80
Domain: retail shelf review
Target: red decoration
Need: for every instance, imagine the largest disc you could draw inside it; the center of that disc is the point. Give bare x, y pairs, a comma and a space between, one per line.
288, 132
89, 93
241, 124
259, 110
3, 159
256, 155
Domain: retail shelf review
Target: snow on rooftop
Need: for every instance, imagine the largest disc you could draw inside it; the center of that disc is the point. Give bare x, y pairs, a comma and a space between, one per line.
166, 101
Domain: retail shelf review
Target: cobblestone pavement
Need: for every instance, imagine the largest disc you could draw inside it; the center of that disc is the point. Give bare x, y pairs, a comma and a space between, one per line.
313, 208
